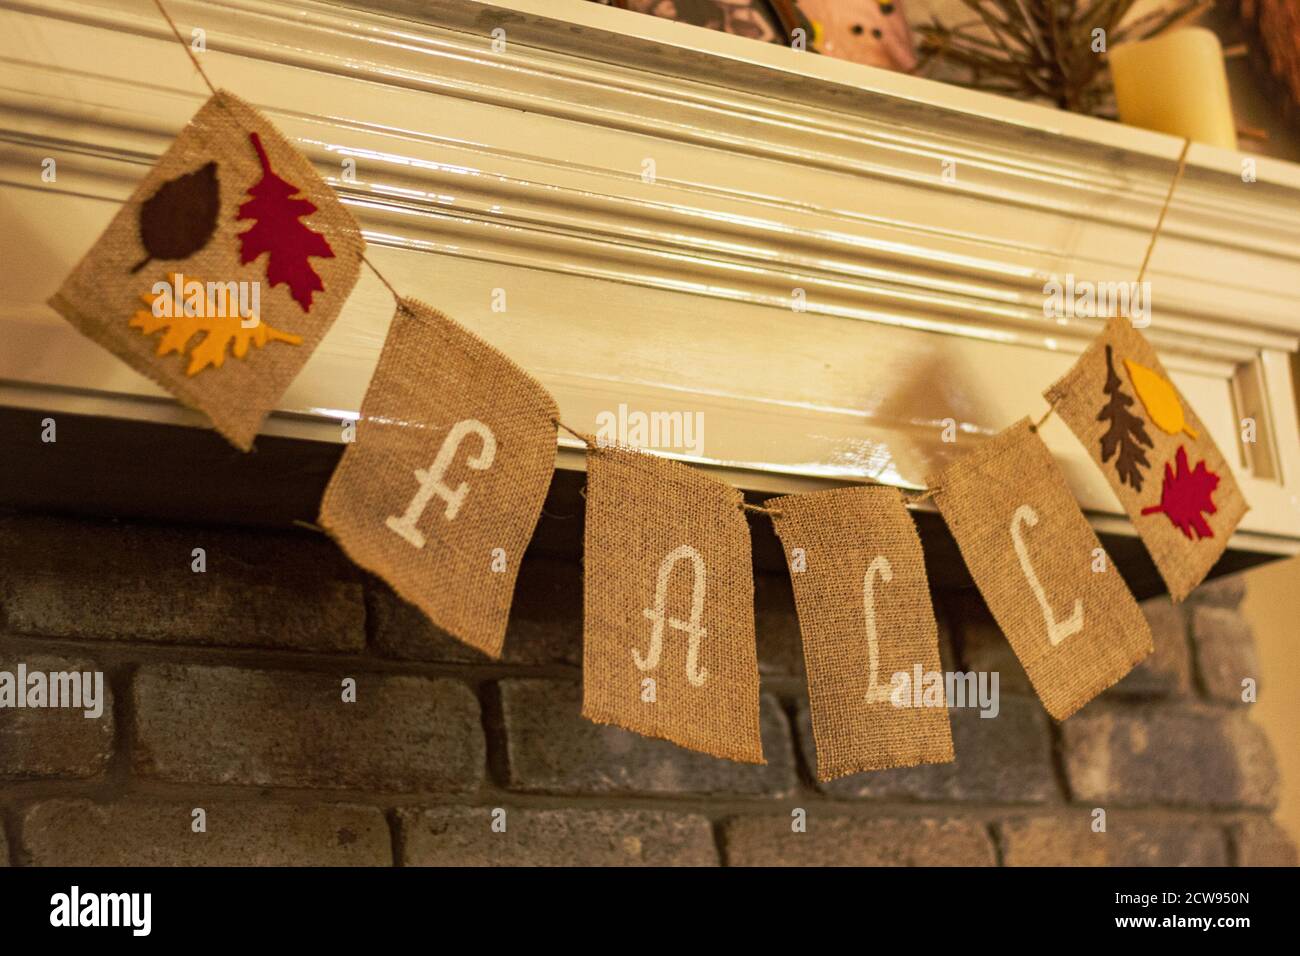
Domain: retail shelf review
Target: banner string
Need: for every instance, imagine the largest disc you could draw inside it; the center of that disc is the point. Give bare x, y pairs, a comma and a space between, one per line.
181, 40
909, 497
1164, 210
585, 439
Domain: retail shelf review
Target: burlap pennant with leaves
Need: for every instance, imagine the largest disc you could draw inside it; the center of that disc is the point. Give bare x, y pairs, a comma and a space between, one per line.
222, 272
1157, 455
1053, 590
440, 492
869, 633
668, 635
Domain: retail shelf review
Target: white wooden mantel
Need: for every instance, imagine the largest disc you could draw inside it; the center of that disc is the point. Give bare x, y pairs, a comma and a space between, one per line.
774, 170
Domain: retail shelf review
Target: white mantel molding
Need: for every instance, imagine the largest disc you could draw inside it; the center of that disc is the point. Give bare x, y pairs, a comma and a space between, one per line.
774, 170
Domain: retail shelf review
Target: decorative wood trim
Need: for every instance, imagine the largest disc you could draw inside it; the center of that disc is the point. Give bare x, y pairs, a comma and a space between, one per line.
775, 170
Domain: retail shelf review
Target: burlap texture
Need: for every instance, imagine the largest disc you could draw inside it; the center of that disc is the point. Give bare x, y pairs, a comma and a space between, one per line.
1078, 398
980, 496
437, 386
101, 295
844, 535
651, 523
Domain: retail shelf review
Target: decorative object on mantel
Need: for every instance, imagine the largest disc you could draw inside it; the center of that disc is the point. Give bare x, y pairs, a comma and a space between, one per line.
874, 32
1176, 83
1273, 34
1048, 50
756, 19
669, 646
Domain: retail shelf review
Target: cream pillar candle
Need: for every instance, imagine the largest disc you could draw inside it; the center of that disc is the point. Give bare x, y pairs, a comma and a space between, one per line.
1176, 83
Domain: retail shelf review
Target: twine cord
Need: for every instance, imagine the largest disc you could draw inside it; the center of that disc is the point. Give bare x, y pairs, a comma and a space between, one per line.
912, 497
1164, 210
181, 40
387, 285
1051, 407
585, 439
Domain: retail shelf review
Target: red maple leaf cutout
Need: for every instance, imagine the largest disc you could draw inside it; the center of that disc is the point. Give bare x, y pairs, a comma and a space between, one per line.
1186, 496
279, 232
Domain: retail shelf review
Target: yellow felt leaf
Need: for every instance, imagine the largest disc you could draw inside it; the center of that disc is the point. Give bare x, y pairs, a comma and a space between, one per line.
1159, 398
218, 331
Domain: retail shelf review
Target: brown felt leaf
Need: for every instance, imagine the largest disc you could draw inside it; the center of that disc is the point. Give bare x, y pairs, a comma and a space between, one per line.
179, 219
1127, 431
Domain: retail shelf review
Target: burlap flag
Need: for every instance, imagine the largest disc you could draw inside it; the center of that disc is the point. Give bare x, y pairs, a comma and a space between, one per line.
440, 492
1052, 589
668, 635
222, 272
1169, 475
869, 633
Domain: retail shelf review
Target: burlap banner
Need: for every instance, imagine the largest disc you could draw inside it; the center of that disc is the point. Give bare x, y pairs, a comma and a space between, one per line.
868, 628
1052, 589
1157, 455
222, 272
232, 258
440, 492
668, 634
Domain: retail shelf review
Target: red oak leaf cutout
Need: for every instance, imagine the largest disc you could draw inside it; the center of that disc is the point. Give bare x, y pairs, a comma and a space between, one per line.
279, 232
1186, 496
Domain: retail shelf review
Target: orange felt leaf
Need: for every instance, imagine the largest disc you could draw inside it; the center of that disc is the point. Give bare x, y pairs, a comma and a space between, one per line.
219, 331
1159, 398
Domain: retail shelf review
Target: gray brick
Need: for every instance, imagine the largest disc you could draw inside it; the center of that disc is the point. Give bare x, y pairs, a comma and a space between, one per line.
1263, 843
1225, 652
123, 582
856, 841
289, 729
545, 621
1007, 759
1070, 841
249, 833
463, 836
400, 630
552, 748
1187, 755
1168, 670
54, 742
982, 644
